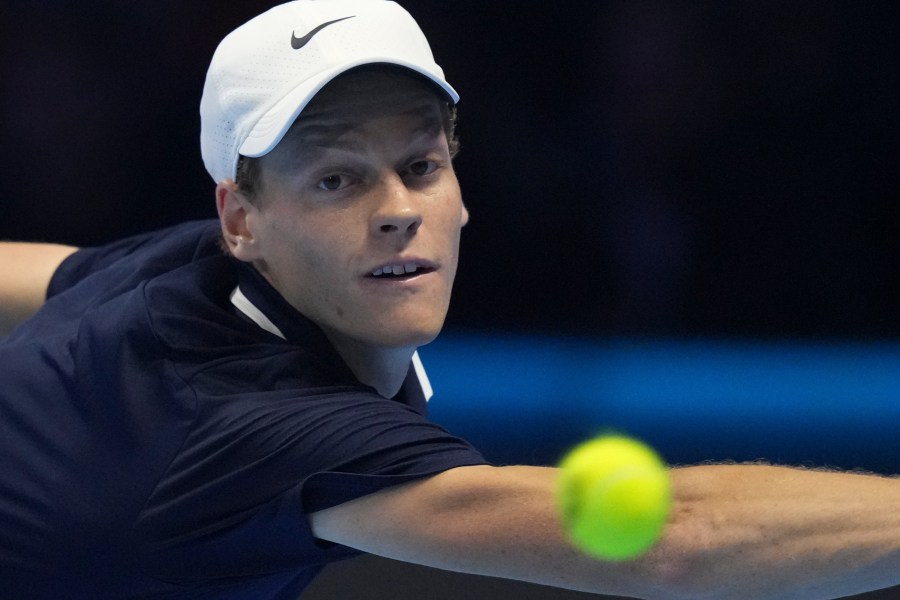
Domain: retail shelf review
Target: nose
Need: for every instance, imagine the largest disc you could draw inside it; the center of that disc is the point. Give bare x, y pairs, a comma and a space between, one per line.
397, 211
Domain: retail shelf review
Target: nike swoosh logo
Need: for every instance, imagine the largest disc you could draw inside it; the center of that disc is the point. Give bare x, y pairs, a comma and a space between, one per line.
299, 42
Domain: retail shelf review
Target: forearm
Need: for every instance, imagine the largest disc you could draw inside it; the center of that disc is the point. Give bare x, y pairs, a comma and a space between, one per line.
500, 522
770, 532
521, 537
735, 532
25, 272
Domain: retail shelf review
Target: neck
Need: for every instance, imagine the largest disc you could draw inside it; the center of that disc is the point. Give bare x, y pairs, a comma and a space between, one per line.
384, 369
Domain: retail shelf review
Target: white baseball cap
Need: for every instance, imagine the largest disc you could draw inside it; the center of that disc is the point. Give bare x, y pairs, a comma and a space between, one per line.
266, 71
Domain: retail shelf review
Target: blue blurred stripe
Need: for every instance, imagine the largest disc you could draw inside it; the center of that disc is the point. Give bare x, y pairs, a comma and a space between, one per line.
525, 399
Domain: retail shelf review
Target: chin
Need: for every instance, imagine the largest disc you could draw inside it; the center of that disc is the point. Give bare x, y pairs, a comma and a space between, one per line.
408, 339
412, 337
407, 326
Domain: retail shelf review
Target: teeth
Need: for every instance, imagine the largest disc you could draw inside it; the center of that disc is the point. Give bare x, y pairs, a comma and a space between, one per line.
395, 270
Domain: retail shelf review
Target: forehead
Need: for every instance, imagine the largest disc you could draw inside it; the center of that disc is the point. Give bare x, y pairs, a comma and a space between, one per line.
359, 97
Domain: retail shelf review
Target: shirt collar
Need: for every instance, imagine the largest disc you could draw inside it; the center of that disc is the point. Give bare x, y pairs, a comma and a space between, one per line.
253, 312
250, 310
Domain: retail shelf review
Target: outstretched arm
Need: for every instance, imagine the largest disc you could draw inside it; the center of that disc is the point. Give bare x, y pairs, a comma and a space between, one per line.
25, 272
742, 531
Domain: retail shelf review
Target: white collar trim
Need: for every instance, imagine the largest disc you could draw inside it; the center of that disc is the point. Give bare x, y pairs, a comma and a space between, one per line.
243, 304
423, 377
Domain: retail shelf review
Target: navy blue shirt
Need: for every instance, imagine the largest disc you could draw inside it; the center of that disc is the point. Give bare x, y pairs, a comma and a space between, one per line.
157, 443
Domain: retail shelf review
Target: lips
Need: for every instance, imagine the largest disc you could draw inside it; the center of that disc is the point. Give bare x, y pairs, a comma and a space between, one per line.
401, 269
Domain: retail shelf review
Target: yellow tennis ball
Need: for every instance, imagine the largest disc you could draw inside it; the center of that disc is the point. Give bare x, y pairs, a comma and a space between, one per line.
614, 495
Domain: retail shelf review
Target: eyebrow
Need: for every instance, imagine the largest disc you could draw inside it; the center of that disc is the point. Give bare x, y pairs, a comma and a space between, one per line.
311, 136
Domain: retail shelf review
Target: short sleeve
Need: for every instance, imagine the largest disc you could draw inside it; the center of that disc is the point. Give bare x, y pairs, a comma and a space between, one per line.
241, 488
137, 258
79, 265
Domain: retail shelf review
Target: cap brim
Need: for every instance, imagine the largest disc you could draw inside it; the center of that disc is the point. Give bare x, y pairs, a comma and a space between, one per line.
274, 124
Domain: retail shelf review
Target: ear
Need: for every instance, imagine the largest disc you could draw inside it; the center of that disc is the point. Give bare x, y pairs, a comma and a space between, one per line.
236, 214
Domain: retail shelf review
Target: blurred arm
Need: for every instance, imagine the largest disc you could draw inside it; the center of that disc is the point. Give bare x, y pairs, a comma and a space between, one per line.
25, 272
741, 532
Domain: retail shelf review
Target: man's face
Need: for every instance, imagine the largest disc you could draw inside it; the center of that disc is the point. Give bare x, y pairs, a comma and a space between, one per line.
358, 218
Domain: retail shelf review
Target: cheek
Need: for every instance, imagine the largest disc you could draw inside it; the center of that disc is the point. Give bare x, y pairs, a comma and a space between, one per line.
459, 214
284, 250
308, 260
464, 215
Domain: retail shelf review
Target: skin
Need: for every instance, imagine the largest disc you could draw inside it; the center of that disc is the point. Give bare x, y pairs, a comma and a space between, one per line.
741, 532
27, 269
364, 179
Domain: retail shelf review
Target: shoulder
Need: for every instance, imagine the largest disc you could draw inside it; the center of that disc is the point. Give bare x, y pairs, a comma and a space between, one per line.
119, 297
139, 256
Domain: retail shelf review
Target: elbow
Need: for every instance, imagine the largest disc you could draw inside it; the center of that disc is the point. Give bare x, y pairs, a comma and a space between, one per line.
682, 566
678, 576
690, 563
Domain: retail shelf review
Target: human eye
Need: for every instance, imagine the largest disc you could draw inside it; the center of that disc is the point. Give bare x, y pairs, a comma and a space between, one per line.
421, 168
333, 183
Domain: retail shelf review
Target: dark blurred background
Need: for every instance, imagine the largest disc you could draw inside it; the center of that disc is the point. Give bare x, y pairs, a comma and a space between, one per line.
632, 168
635, 170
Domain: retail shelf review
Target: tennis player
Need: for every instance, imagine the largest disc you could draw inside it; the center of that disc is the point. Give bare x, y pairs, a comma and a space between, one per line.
219, 409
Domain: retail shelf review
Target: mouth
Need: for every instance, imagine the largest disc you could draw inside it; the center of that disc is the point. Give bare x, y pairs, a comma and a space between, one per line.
401, 271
